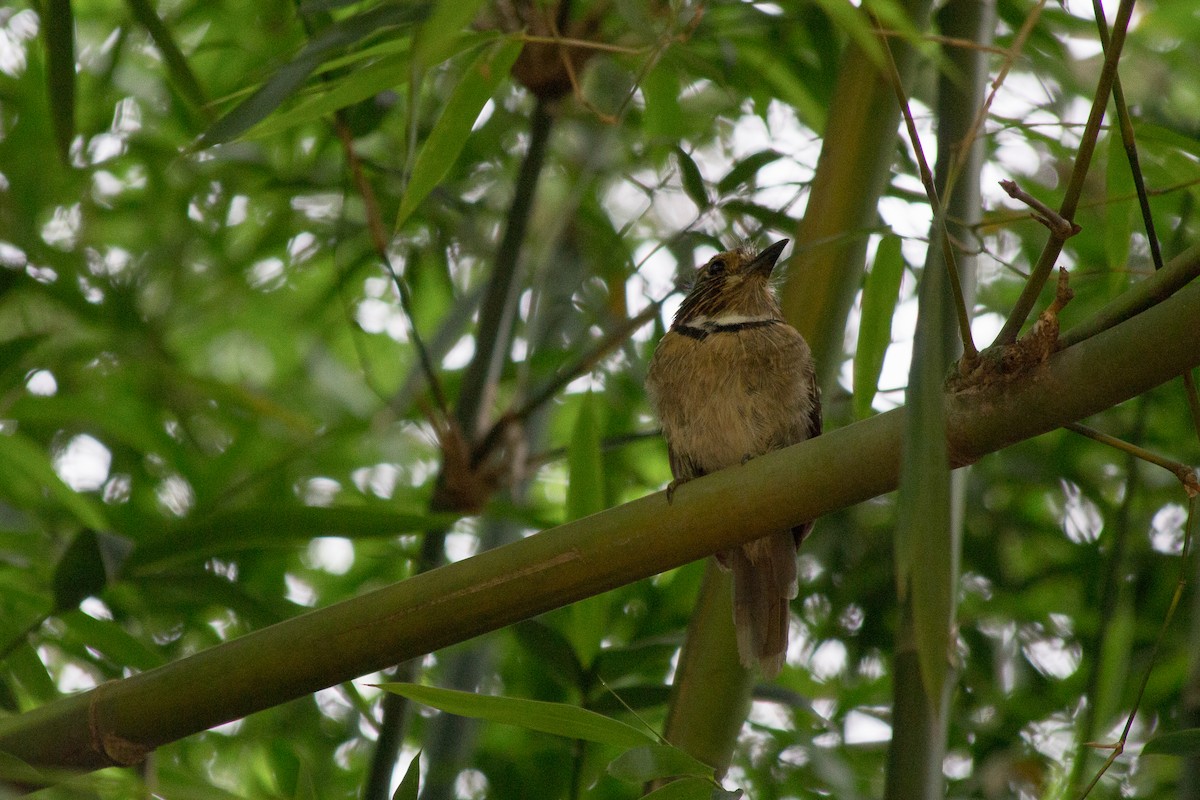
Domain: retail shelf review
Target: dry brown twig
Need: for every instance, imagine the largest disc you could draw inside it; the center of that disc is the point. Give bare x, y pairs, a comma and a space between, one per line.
1058, 225
970, 352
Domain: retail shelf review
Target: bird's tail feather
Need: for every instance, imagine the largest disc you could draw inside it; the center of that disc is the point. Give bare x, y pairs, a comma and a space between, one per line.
764, 580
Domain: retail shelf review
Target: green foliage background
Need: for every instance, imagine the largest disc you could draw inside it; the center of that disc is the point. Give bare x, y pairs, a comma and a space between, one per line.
213, 313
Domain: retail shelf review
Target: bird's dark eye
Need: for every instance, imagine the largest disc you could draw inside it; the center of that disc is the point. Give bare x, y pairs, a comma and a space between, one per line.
716, 266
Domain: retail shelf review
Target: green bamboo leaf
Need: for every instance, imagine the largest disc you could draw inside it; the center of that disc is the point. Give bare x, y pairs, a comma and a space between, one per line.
693, 181
27, 477
58, 28
450, 132
776, 220
1113, 667
744, 171
660, 89
551, 650
291, 76
880, 291
926, 550
1176, 743
12, 365
388, 73
410, 784
652, 761
275, 526
112, 640
690, 788
177, 64
559, 719
15, 772
434, 41
777, 76
857, 25
585, 462
311, 7
93, 560
585, 495
389, 68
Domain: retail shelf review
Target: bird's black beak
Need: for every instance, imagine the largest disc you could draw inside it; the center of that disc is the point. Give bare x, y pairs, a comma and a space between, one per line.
764, 262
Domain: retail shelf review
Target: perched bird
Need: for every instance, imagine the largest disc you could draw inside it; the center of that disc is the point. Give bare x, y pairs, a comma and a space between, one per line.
731, 380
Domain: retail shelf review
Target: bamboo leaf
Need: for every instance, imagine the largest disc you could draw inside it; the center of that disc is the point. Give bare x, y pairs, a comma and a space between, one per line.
389, 68
585, 462
256, 527
92, 561
744, 171
559, 719
926, 551
652, 761
389, 73
690, 788
434, 41
662, 117
784, 83
27, 477
693, 181
58, 26
410, 784
767, 216
585, 495
15, 772
880, 291
855, 23
1113, 667
551, 650
177, 64
113, 641
450, 132
1176, 743
291, 76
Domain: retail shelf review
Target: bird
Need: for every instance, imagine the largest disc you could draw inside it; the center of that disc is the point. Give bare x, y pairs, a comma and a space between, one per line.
731, 380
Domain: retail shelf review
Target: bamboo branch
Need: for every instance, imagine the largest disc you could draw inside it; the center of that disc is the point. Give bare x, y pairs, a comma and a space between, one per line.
1179, 272
118, 723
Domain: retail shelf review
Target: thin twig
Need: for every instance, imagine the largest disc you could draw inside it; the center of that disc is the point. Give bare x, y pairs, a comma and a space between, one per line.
1083, 159
379, 240
1129, 143
1118, 747
1112, 589
583, 44
1186, 474
1011, 55
999, 219
581, 366
970, 352
949, 41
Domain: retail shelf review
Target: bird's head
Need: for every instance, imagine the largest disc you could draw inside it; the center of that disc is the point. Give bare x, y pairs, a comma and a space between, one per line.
733, 285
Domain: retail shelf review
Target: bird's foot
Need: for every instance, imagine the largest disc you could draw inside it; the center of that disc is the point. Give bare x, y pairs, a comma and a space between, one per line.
672, 486
746, 458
